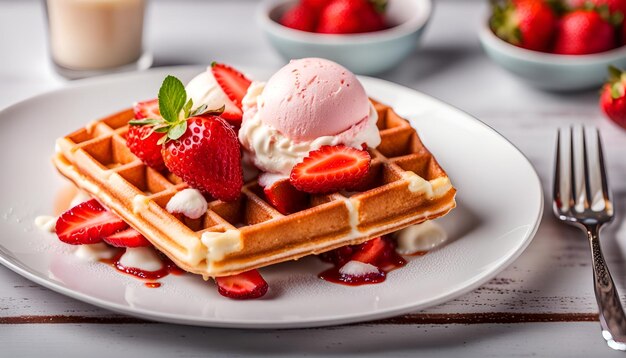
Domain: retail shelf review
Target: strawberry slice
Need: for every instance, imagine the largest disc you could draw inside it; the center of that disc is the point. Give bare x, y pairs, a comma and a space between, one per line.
235, 85
338, 256
88, 223
127, 238
232, 113
147, 109
285, 198
243, 286
379, 252
330, 169
372, 251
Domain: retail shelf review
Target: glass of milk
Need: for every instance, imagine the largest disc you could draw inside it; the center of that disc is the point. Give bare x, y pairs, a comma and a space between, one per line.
94, 37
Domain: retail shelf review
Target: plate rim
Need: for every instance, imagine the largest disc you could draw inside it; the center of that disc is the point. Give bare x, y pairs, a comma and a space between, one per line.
22, 270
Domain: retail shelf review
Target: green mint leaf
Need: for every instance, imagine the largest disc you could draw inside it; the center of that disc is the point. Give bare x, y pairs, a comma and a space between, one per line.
163, 129
143, 122
187, 107
204, 110
177, 131
199, 110
172, 98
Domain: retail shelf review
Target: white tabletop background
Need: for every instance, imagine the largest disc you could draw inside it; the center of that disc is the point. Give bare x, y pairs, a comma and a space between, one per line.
542, 305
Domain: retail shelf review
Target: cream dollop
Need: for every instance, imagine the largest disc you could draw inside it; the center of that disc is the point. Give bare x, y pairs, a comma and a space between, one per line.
189, 202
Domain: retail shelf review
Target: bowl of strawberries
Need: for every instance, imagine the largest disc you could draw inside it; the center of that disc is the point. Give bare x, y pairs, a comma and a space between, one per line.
365, 36
557, 44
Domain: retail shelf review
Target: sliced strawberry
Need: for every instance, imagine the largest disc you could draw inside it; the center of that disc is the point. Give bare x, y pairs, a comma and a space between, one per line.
245, 285
338, 256
88, 223
372, 251
232, 113
143, 142
379, 252
147, 109
233, 82
127, 238
285, 198
330, 169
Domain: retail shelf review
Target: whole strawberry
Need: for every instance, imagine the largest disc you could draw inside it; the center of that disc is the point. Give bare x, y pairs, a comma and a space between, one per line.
612, 97
300, 17
613, 6
207, 157
351, 16
142, 141
198, 146
583, 32
528, 24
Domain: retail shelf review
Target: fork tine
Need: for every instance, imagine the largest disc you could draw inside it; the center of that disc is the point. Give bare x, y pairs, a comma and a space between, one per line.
572, 173
603, 176
586, 187
556, 189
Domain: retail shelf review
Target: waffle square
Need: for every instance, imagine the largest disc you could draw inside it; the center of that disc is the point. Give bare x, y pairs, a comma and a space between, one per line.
406, 186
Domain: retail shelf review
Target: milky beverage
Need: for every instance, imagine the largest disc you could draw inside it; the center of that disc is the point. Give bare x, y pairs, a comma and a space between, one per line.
95, 34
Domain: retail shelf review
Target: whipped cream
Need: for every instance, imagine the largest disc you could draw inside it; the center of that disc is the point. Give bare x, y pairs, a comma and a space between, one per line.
421, 237
357, 268
95, 252
46, 223
188, 202
273, 152
204, 89
143, 258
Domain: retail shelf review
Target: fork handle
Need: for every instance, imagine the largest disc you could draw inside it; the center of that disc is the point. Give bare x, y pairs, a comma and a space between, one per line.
612, 317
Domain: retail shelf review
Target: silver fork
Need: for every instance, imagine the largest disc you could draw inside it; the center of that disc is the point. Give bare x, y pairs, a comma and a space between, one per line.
576, 207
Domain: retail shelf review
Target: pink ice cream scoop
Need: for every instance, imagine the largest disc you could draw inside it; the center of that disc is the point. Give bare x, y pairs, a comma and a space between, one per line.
313, 97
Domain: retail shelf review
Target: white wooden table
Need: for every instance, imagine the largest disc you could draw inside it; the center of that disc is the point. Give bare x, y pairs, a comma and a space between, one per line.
541, 305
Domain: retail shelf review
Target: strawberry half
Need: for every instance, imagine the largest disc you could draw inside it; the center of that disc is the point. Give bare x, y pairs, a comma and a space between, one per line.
147, 109
285, 198
246, 285
127, 238
87, 223
330, 169
235, 85
143, 142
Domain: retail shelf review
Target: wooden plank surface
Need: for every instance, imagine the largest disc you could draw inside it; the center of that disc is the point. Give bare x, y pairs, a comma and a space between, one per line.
159, 340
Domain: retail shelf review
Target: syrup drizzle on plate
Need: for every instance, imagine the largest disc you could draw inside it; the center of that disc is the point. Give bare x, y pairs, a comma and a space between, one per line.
167, 267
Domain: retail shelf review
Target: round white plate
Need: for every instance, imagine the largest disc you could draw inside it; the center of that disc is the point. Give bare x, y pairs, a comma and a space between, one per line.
499, 208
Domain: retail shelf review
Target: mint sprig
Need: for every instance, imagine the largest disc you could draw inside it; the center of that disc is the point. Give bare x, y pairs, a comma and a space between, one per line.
172, 97
175, 109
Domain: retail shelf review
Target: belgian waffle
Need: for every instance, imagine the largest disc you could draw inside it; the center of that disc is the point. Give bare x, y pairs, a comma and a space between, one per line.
405, 186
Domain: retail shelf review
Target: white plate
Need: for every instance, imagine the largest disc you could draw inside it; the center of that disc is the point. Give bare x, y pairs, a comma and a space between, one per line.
499, 208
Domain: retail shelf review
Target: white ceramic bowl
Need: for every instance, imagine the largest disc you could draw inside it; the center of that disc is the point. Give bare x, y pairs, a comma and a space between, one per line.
367, 53
551, 71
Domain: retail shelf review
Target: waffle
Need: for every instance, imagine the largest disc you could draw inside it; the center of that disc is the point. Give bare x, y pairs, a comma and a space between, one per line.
405, 186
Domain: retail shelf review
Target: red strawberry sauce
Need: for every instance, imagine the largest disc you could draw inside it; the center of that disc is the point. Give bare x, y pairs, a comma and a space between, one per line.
388, 263
168, 267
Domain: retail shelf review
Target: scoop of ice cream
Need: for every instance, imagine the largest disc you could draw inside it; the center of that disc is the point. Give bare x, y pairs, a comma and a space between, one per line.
312, 97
